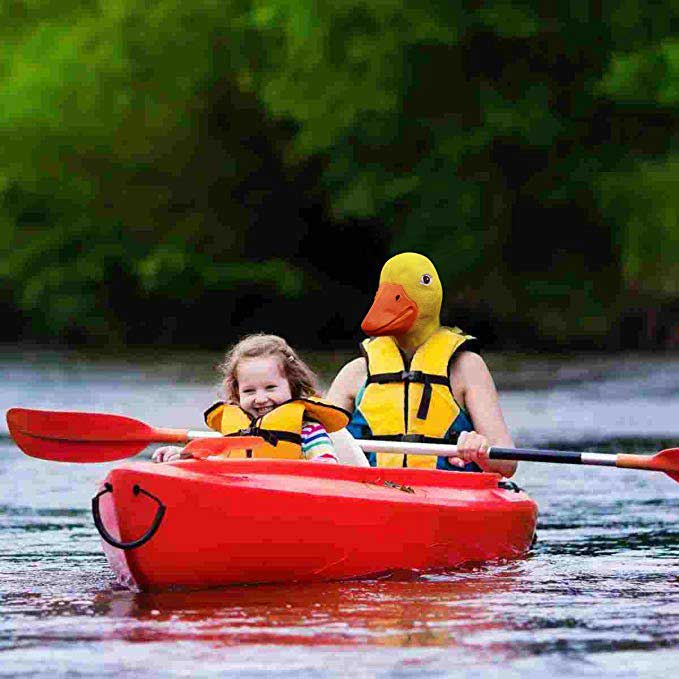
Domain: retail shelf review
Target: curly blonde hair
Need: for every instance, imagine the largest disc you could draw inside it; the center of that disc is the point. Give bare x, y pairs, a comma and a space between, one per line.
302, 379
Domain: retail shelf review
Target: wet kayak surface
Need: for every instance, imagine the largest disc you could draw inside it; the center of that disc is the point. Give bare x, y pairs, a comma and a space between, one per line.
598, 595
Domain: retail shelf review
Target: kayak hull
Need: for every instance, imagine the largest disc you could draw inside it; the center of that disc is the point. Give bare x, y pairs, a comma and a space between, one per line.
256, 521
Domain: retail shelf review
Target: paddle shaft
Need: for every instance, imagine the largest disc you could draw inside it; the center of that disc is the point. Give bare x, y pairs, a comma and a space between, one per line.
629, 461
101, 437
167, 435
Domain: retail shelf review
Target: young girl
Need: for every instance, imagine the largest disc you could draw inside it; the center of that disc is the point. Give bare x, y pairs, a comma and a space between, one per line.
270, 392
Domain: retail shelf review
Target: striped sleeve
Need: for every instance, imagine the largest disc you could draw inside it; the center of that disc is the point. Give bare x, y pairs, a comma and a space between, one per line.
316, 444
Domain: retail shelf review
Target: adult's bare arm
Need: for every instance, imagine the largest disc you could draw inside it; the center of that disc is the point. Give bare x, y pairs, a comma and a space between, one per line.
474, 389
345, 386
343, 392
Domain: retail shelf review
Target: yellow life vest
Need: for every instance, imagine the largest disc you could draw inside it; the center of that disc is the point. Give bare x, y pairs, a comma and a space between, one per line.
281, 428
411, 402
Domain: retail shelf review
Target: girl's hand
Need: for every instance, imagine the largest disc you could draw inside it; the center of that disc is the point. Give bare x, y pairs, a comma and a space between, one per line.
471, 447
169, 454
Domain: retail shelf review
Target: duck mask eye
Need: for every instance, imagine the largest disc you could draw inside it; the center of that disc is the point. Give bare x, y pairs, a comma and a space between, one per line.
425, 279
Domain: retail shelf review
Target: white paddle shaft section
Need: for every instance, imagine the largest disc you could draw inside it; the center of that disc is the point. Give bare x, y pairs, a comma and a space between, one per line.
599, 459
376, 446
443, 449
526, 454
193, 434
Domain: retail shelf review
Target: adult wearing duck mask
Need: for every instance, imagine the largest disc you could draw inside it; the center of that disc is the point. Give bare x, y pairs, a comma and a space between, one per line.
419, 381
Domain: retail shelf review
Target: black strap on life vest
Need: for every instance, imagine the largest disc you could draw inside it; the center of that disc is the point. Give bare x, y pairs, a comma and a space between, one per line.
418, 376
271, 436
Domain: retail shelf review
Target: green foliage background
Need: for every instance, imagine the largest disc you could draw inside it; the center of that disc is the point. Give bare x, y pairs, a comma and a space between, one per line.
187, 171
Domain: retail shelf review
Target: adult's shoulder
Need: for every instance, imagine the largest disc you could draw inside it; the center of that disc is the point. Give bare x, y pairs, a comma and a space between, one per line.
356, 366
352, 374
468, 360
468, 369
347, 383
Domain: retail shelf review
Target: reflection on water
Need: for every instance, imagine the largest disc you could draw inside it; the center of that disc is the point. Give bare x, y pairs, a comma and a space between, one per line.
413, 612
599, 594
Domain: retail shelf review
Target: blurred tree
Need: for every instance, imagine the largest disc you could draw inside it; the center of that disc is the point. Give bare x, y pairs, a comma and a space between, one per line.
131, 165
170, 159
484, 134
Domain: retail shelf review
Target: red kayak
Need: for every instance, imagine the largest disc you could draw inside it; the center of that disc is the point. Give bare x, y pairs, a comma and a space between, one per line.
208, 523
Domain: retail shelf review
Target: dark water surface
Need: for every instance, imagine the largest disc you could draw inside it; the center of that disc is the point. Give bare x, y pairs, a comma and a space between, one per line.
599, 594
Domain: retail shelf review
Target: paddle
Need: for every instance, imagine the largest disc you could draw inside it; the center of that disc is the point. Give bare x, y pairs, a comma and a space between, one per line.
665, 461
98, 437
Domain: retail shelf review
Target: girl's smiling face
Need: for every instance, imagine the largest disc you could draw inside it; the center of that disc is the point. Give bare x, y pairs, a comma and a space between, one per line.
262, 385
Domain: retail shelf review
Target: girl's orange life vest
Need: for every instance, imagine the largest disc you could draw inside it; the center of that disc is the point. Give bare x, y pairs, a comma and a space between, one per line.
281, 428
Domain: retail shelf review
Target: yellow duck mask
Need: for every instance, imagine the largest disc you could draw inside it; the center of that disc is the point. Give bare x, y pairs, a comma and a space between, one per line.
408, 301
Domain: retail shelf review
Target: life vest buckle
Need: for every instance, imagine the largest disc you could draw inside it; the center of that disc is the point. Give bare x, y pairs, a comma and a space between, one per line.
412, 375
268, 436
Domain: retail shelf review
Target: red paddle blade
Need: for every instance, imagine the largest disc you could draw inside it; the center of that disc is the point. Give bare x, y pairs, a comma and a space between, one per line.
76, 451
668, 461
77, 437
70, 426
202, 448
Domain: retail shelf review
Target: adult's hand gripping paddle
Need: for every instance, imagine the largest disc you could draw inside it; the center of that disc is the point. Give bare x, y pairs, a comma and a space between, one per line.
99, 437
664, 461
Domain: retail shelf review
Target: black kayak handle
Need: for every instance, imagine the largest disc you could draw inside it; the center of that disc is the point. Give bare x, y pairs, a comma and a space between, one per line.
107, 537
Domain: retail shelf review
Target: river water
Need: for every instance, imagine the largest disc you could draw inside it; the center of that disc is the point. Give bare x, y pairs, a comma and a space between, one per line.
598, 595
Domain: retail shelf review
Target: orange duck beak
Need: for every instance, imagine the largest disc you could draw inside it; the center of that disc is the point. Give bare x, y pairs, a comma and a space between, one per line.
392, 312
